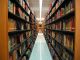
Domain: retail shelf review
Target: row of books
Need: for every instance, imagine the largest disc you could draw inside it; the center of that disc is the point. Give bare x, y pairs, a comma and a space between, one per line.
16, 25
65, 40
57, 26
56, 6
65, 25
18, 43
15, 41
61, 40
15, 55
62, 11
66, 56
13, 8
68, 42
62, 53
69, 25
53, 54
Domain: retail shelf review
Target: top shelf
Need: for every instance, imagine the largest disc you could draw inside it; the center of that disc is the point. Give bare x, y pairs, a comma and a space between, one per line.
62, 4
52, 7
28, 7
15, 2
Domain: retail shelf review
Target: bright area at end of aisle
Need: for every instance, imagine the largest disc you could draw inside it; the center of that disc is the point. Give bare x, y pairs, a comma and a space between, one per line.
40, 50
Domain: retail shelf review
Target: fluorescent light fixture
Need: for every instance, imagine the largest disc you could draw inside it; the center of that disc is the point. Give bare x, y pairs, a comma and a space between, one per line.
40, 2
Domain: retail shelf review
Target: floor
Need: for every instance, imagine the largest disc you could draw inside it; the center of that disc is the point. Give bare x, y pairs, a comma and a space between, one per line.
40, 50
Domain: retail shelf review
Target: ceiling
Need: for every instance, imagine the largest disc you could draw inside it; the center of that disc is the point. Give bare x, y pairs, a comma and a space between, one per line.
34, 5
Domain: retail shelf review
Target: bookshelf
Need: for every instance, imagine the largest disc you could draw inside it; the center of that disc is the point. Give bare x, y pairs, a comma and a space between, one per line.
18, 30
62, 29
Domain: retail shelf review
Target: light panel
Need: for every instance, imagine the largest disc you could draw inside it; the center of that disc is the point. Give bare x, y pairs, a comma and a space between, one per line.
40, 4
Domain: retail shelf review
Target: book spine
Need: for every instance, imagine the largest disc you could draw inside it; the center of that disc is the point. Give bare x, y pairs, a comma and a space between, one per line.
11, 25
10, 6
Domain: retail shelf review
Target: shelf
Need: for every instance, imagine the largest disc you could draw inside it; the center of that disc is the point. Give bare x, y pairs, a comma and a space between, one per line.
70, 52
56, 52
17, 18
17, 46
23, 41
64, 32
21, 7
18, 4
14, 48
62, 4
66, 16
24, 52
52, 7
17, 32
28, 7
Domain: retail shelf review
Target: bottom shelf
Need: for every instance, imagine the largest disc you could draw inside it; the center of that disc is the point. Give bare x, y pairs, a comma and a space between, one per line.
66, 54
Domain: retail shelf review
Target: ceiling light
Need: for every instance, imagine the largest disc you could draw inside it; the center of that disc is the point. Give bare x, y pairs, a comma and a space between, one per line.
40, 2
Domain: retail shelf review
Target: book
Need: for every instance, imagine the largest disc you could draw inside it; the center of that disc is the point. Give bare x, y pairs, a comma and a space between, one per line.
53, 34
62, 12
21, 2
65, 55
64, 26
53, 10
69, 7
28, 52
11, 44
13, 56
70, 24
72, 5
22, 26
10, 57
21, 38
11, 25
24, 58
60, 1
18, 25
58, 26
20, 13
53, 26
53, 2
57, 5
28, 26
50, 6
10, 6
27, 18
14, 9
68, 42
64, 40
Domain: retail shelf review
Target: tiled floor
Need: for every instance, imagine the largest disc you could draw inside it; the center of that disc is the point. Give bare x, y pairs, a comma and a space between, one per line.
40, 50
